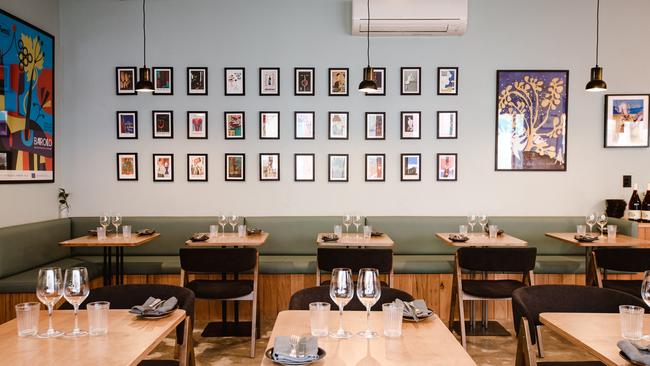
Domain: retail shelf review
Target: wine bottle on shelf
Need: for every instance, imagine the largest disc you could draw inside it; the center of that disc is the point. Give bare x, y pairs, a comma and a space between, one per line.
645, 206
634, 207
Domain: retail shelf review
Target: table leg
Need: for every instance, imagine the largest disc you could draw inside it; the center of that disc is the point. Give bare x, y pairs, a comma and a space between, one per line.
110, 265
589, 275
105, 265
236, 304
119, 265
484, 306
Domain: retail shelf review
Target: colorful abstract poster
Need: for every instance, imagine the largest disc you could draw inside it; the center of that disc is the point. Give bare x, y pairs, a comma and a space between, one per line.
26, 102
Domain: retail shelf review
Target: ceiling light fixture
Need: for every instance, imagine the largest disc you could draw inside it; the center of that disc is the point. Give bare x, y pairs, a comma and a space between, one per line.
144, 83
596, 82
368, 84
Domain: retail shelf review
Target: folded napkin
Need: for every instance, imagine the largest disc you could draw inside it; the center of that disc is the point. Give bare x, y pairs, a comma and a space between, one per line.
162, 309
586, 238
376, 233
421, 309
253, 231
331, 237
458, 237
199, 237
306, 350
634, 353
93, 232
146, 231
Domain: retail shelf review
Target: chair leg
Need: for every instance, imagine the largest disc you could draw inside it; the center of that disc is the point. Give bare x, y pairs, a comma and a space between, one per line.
452, 307
540, 347
461, 311
253, 327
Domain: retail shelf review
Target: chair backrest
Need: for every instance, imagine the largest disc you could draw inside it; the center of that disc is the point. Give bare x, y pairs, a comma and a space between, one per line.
530, 301
301, 299
497, 259
623, 259
215, 260
355, 259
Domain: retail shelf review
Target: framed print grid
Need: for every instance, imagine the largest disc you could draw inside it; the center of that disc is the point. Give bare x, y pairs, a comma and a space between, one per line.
127, 166
626, 120
269, 167
163, 167
125, 79
197, 124
197, 81
163, 124
447, 125
269, 81
338, 81
410, 125
304, 125
448, 81
235, 167
303, 167
234, 125
197, 167
338, 125
163, 80
304, 81
410, 80
337, 166
234, 81
269, 125
447, 167
375, 125
127, 124
410, 167
379, 77
375, 167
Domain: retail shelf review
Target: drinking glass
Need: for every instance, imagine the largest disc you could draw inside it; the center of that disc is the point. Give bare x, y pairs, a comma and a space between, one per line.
368, 292
601, 220
49, 290
341, 292
347, 221
471, 220
116, 221
101, 233
462, 229
232, 221
126, 231
104, 220
241, 231
338, 230
611, 232
367, 232
493, 230
590, 220
98, 317
356, 220
581, 229
392, 313
482, 220
214, 231
318, 318
27, 314
75, 290
645, 288
631, 321
222, 220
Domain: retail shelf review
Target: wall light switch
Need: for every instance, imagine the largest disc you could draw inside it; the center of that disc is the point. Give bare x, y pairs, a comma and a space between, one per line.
627, 181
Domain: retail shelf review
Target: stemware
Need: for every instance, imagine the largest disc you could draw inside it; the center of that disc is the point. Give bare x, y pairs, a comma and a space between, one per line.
49, 290
356, 220
222, 220
104, 220
75, 290
368, 292
341, 292
471, 221
482, 220
232, 221
347, 221
117, 221
601, 220
590, 220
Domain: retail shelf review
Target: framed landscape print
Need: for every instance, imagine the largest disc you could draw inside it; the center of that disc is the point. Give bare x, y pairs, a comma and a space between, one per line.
447, 167
375, 167
197, 167
379, 76
304, 125
303, 167
269, 166
197, 81
197, 124
163, 167
234, 82
163, 80
375, 126
235, 167
447, 124
234, 125
338, 167
127, 166
410, 125
626, 120
269, 81
410, 167
304, 81
125, 79
269, 125
531, 120
338, 125
338, 81
163, 124
127, 125
447, 81
410, 80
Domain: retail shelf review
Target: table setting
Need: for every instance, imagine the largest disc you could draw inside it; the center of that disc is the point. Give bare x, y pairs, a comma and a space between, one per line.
635, 346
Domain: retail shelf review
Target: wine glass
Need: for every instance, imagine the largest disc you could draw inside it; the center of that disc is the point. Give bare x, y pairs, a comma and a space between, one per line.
104, 220
482, 220
222, 220
601, 220
49, 290
471, 220
368, 292
75, 290
341, 292
645, 288
117, 221
590, 220
232, 220
356, 220
347, 221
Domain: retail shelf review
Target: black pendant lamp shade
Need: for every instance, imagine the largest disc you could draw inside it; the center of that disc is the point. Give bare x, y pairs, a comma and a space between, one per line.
596, 82
144, 83
368, 85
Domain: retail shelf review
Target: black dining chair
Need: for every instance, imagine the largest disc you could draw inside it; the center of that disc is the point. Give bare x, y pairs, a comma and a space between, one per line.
301, 299
355, 259
127, 296
484, 261
529, 302
635, 260
224, 261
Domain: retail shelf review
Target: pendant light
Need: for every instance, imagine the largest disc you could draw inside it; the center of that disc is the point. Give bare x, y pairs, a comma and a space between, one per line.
368, 84
596, 83
144, 83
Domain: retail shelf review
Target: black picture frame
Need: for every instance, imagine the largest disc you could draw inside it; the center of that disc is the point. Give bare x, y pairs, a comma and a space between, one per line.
155, 80
261, 173
383, 125
202, 69
330, 136
225, 81
135, 170
401, 78
381, 89
296, 88
171, 164
134, 78
189, 166
383, 171
243, 126
402, 127
262, 93
644, 110
295, 167
189, 125
261, 114
243, 167
295, 125
438, 156
330, 91
120, 136
402, 167
455, 123
439, 90
329, 168
157, 135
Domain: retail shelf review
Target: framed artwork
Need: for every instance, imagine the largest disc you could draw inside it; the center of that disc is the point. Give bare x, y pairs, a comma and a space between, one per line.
234, 125
338, 125
447, 124
197, 124
379, 76
303, 81
197, 81
197, 167
127, 166
447, 81
125, 79
338, 167
304, 125
269, 125
163, 80
234, 82
269, 81
447, 167
235, 167
531, 120
410, 125
163, 167
303, 167
27, 90
626, 120
338, 81
163, 124
410, 80
127, 125
269, 166
375, 126
410, 167
375, 167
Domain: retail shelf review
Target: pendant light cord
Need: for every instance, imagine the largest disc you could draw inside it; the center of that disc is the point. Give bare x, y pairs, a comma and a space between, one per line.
597, 27
144, 30
368, 35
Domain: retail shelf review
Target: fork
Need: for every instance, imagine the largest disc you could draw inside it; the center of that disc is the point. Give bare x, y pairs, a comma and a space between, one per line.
293, 341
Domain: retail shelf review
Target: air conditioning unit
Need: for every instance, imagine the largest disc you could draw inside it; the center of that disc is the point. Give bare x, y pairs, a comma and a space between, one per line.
410, 17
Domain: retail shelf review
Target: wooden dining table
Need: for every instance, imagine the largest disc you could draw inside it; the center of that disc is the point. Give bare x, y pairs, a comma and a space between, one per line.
128, 341
355, 241
483, 240
427, 342
231, 240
